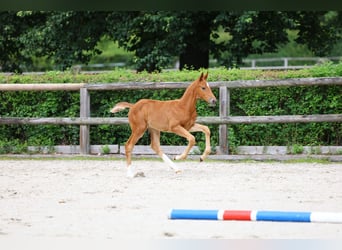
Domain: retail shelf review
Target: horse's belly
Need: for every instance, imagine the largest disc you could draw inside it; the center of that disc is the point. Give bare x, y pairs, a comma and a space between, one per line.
163, 123
163, 116
160, 123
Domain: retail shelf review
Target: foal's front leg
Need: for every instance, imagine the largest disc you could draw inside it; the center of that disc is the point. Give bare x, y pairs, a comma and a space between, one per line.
202, 128
155, 145
179, 130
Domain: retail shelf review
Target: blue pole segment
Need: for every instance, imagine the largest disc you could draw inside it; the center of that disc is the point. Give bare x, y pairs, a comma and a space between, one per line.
283, 216
186, 214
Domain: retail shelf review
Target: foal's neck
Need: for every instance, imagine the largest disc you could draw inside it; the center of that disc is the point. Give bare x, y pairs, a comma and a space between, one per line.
189, 98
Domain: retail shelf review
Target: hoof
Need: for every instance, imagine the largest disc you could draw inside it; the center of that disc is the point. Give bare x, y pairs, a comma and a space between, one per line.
201, 159
179, 157
130, 175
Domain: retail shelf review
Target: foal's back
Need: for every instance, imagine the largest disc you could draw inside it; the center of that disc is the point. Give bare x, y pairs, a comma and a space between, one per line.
161, 115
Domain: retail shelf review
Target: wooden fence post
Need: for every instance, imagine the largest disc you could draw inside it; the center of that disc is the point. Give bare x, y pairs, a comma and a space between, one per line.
84, 113
286, 62
253, 63
224, 111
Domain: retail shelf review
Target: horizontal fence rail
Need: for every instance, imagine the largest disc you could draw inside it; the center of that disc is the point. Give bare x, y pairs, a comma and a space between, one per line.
224, 118
200, 119
286, 62
170, 85
41, 86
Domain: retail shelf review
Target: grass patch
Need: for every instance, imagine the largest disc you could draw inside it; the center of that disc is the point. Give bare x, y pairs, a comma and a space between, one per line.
309, 160
156, 158
60, 158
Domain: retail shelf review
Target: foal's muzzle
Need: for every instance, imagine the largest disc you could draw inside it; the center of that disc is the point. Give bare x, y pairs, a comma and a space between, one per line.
212, 102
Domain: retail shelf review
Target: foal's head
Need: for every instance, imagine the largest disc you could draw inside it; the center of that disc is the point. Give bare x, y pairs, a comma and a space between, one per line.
203, 90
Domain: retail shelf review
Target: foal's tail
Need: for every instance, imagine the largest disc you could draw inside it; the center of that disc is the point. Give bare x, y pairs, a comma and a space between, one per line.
121, 106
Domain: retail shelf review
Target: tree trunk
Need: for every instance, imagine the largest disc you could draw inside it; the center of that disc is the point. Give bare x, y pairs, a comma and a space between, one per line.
196, 53
194, 58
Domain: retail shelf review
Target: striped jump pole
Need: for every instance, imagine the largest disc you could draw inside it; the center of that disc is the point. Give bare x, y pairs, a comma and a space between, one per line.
253, 215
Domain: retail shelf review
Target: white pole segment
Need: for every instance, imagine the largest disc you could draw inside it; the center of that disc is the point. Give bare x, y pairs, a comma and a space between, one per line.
326, 217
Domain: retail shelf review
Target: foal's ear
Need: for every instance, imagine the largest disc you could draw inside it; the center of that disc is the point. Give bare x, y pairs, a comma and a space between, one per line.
203, 77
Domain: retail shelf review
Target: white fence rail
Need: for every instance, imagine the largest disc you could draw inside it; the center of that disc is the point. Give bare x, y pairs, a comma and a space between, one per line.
287, 62
279, 63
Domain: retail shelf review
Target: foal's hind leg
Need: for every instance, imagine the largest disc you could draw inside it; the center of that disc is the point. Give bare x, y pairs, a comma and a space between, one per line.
137, 133
155, 145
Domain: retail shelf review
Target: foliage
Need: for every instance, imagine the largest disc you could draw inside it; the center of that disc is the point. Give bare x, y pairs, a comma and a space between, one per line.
253, 101
215, 74
247, 32
156, 38
311, 23
111, 53
15, 146
67, 37
105, 149
145, 34
296, 149
13, 26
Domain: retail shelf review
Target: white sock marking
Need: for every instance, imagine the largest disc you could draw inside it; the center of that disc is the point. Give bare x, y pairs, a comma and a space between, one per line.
169, 162
130, 171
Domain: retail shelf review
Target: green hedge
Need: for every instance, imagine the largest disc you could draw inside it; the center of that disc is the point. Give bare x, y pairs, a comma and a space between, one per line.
254, 101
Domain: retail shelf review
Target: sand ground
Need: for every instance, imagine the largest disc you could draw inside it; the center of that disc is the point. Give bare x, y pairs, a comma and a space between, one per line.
93, 199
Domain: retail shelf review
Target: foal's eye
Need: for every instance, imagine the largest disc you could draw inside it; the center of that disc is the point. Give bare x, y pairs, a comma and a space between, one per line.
203, 88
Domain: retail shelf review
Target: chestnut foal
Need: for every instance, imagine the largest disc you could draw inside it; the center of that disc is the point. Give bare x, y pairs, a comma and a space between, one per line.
176, 116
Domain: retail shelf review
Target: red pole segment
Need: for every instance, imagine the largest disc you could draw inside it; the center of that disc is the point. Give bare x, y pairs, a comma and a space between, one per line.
237, 215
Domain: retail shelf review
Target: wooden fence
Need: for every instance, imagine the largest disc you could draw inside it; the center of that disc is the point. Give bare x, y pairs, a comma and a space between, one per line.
223, 119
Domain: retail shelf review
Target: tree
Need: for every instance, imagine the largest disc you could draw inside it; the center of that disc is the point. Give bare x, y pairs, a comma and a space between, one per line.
319, 30
197, 27
251, 32
13, 25
67, 37
157, 37
145, 33
258, 32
